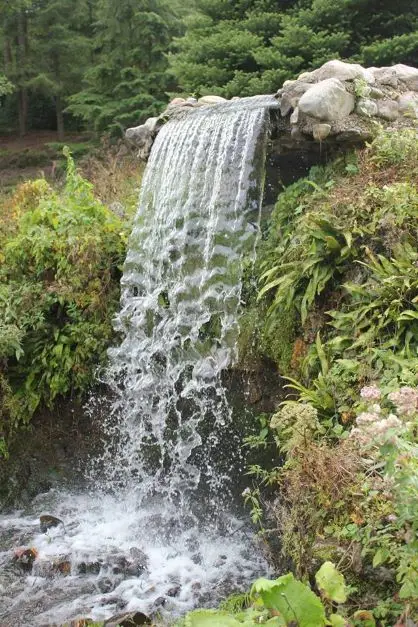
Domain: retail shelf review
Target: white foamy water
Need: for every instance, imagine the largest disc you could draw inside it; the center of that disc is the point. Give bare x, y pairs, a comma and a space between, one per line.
158, 532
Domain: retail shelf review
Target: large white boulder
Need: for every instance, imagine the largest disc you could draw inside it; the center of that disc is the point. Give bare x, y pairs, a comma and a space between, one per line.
343, 71
327, 100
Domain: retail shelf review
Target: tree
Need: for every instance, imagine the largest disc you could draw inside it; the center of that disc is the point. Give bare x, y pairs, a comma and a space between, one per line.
15, 43
252, 46
128, 79
61, 50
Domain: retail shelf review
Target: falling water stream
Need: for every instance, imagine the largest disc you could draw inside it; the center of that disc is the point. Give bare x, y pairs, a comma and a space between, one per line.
155, 528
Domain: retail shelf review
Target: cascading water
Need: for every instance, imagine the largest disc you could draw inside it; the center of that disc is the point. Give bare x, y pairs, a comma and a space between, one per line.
155, 531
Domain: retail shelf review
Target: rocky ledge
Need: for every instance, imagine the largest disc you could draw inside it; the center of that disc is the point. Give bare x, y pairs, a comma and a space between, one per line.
339, 102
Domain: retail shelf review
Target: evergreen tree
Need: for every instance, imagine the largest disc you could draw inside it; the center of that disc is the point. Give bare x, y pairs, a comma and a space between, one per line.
253, 46
128, 80
60, 50
14, 40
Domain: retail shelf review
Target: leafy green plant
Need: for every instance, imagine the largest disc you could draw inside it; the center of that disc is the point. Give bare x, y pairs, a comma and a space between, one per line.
59, 288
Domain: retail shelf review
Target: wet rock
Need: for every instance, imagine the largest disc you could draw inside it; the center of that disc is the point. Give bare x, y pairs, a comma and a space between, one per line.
24, 557
105, 585
220, 561
321, 131
196, 558
327, 100
174, 591
160, 602
128, 620
48, 522
59, 565
133, 567
87, 568
196, 586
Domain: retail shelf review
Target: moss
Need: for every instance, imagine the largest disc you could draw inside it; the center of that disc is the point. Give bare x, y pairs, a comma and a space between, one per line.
278, 339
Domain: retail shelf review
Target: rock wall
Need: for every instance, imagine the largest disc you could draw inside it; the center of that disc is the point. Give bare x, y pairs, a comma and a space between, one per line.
338, 103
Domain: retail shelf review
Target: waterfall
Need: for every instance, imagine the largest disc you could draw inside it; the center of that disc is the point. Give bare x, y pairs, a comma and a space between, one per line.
181, 292
155, 530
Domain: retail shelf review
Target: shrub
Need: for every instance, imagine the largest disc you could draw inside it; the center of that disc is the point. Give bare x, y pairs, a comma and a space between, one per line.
59, 288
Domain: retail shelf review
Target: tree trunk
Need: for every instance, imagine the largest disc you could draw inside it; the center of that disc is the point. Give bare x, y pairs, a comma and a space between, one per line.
22, 59
23, 111
60, 118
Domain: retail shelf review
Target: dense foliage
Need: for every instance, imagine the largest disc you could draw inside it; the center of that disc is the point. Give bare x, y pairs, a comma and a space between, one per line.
106, 65
340, 261
59, 287
250, 47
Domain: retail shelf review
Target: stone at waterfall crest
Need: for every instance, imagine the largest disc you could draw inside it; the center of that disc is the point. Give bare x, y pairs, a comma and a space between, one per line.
339, 102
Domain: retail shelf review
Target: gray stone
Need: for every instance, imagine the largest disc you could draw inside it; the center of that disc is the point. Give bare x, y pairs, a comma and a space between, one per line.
47, 521
141, 137
354, 134
343, 71
388, 109
408, 104
385, 76
210, 100
307, 77
376, 93
152, 124
191, 100
295, 116
291, 95
327, 100
321, 131
366, 107
407, 74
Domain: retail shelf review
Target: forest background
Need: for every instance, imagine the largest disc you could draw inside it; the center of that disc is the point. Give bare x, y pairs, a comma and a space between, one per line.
102, 65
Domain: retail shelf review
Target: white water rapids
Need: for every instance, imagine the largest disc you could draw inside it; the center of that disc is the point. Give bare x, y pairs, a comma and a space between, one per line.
154, 529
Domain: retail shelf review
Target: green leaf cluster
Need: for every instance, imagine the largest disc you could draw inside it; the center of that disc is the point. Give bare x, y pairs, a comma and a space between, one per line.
59, 288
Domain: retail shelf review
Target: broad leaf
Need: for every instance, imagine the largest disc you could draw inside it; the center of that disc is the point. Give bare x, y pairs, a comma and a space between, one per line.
331, 583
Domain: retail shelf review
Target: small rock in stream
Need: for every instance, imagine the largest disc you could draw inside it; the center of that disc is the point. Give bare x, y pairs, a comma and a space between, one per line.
86, 568
25, 556
48, 522
105, 585
174, 591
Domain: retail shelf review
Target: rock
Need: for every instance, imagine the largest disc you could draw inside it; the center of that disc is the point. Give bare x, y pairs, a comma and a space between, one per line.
354, 134
307, 77
291, 96
191, 100
376, 93
408, 104
295, 116
160, 602
141, 137
343, 71
176, 102
385, 76
296, 134
366, 107
388, 109
174, 591
60, 564
327, 100
105, 585
133, 567
407, 74
25, 556
48, 522
128, 620
152, 124
210, 100
87, 568
321, 131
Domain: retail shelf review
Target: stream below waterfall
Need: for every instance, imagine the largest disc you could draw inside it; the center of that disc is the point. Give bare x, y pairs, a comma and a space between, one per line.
156, 528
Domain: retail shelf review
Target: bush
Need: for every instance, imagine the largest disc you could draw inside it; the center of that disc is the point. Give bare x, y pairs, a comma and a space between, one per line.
59, 288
